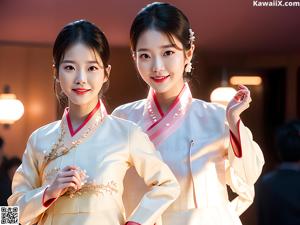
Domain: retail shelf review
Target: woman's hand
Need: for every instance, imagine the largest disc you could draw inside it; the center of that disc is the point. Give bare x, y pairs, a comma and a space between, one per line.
69, 177
239, 103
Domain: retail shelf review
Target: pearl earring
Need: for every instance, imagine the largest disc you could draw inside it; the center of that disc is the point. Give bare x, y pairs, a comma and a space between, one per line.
188, 67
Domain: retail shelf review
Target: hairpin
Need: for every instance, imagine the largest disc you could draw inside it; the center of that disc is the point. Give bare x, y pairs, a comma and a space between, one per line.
192, 35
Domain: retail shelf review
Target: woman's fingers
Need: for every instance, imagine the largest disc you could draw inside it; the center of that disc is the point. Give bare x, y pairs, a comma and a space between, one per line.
68, 177
79, 174
242, 95
239, 96
72, 173
242, 87
70, 180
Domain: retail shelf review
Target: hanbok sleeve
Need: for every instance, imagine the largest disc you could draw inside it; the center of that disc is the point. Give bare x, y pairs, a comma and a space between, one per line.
164, 187
244, 191
27, 188
120, 112
249, 162
244, 166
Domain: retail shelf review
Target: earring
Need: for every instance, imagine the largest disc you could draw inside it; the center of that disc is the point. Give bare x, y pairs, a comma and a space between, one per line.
188, 67
56, 79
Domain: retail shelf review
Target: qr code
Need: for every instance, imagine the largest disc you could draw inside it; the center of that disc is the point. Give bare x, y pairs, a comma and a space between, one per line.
9, 215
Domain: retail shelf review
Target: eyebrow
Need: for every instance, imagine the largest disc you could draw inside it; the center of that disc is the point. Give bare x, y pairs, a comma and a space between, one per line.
163, 46
71, 61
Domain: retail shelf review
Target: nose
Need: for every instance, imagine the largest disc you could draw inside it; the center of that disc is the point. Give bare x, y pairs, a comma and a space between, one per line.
158, 64
81, 77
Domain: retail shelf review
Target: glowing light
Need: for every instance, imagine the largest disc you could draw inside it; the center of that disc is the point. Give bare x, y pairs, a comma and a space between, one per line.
11, 109
245, 80
222, 95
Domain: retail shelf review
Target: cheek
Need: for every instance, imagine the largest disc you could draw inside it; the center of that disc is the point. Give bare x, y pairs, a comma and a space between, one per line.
143, 67
66, 81
63, 76
176, 64
96, 80
177, 61
63, 80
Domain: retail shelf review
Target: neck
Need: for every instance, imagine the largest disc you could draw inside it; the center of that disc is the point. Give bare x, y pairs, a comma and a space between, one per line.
78, 113
165, 99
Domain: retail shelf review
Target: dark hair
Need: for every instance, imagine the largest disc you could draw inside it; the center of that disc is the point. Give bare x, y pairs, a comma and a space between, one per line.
14, 161
84, 32
165, 18
1, 143
288, 141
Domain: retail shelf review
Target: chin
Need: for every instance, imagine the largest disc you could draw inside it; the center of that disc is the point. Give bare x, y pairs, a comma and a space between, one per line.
161, 88
80, 102
161, 91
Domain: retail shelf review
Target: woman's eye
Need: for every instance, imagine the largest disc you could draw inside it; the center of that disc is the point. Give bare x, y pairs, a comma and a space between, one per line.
145, 56
169, 52
93, 68
69, 67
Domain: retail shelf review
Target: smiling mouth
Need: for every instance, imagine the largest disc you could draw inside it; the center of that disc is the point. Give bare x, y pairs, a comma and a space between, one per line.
160, 79
81, 91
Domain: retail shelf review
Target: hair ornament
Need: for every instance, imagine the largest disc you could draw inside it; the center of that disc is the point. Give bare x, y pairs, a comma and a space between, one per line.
192, 36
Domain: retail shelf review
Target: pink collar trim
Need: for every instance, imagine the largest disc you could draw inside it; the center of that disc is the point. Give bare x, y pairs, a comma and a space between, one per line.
158, 125
174, 103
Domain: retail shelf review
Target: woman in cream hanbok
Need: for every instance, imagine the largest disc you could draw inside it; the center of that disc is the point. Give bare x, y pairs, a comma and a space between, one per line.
72, 169
206, 146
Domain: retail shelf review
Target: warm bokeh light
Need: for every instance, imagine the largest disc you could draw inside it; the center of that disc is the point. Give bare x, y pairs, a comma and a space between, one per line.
222, 95
11, 109
245, 80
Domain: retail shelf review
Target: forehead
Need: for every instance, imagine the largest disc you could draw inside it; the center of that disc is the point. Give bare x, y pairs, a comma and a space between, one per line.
81, 52
152, 38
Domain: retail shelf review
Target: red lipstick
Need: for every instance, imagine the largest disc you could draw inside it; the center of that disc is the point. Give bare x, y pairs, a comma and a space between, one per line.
160, 79
81, 91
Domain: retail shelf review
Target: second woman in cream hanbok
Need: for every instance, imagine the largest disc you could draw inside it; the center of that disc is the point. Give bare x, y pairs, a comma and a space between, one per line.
206, 146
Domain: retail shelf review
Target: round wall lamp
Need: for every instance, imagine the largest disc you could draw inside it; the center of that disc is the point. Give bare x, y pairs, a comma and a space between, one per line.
11, 109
